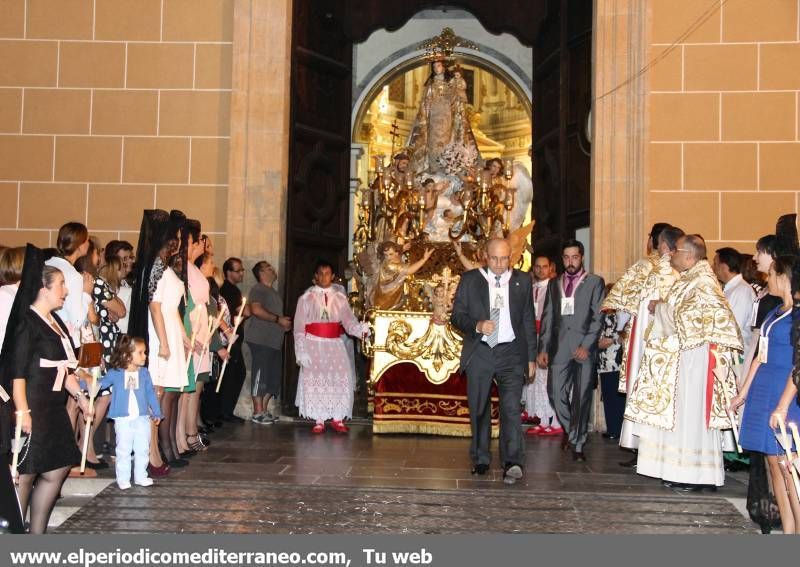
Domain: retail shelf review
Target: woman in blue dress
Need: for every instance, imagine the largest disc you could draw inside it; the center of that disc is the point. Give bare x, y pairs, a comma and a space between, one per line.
764, 392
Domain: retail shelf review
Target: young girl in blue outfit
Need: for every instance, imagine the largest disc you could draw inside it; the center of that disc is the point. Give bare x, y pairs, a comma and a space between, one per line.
133, 406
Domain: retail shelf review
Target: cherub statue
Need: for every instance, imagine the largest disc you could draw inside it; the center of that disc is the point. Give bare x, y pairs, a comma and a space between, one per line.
441, 294
478, 262
385, 279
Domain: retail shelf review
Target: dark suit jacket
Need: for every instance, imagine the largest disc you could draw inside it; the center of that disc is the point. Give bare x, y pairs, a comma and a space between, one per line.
560, 335
472, 305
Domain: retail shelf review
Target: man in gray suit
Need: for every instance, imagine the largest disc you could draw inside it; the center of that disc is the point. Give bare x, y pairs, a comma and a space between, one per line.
571, 324
493, 308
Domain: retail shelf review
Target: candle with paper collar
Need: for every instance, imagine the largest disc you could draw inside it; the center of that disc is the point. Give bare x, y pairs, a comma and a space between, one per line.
795, 436
784, 437
87, 426
237, 321
17, 446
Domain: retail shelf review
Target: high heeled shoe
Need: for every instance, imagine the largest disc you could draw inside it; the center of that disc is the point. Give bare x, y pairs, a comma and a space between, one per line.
198, 444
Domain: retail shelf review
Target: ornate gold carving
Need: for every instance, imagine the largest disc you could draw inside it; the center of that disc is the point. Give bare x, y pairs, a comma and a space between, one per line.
412, 337
443, 45
437, 346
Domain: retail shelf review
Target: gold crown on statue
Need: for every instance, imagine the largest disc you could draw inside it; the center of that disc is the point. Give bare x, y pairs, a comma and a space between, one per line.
441, 47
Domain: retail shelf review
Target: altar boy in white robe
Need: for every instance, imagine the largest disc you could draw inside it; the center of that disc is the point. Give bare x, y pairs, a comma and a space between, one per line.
327, 378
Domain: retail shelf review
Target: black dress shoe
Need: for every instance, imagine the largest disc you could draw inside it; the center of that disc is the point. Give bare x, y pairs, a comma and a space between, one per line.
610, 436
630, 464
480, 469
187, 454
686, 487
178, 463
578, 456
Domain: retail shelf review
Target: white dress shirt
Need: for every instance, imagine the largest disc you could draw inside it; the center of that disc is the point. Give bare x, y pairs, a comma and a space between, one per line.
7, 295
741, 296
539, 293
498, 297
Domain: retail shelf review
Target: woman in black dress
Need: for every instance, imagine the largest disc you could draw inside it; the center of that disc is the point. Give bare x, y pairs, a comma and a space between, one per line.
41, 367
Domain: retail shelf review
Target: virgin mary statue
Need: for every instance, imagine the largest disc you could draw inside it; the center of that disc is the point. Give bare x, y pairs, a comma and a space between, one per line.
441, 140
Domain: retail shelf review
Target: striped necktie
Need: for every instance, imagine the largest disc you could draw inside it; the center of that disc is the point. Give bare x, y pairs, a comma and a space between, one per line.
494, 314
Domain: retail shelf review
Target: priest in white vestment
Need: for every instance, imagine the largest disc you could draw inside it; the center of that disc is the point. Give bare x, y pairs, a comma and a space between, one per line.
647, 280
686, 377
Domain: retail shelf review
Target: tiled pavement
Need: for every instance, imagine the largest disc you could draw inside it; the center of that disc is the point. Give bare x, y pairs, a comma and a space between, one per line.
283, 479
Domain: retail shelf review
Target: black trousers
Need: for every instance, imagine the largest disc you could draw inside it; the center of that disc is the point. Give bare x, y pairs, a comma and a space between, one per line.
613, 402
210, 400
232, 381
502, 364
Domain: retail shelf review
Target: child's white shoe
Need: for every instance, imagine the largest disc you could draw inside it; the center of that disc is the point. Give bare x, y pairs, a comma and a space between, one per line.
146, 481
123, 485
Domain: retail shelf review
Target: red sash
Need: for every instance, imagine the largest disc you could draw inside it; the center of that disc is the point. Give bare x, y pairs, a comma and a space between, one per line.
325, 330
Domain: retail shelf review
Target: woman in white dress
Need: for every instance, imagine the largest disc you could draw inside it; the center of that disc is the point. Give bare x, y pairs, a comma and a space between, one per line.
154, 316
167, 361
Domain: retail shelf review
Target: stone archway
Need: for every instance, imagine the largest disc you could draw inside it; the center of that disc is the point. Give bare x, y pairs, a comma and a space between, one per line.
403, 59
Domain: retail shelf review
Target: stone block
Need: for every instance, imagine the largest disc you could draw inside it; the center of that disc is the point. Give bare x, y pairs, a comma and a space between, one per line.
758, 116
125, 112
64, 202
721, 167
89, 64
160, 65
28, 63
56, 111
26, 158
156, 160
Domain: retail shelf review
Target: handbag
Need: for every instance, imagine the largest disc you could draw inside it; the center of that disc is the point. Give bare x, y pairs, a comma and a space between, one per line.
90, 354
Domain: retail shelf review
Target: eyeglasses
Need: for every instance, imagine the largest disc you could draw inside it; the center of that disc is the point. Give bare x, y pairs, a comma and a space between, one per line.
239, 271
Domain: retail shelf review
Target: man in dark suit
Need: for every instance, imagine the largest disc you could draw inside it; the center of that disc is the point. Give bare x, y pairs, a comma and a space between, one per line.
493, 308
570, 327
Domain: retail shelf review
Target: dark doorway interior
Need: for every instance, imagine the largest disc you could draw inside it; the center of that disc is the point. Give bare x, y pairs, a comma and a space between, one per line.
323, 34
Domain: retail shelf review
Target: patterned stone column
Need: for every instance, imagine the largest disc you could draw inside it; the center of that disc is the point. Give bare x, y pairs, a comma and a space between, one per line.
619, 136
259, 155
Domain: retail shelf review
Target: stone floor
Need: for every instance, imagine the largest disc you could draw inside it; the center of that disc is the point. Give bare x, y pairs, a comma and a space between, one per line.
283, 479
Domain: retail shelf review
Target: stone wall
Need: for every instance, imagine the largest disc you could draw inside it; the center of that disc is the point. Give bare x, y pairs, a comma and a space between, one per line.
723, 146
108, 107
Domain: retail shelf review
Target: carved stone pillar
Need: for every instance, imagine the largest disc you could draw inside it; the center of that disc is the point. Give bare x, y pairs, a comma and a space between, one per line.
619, 136
356, 153
259, 154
